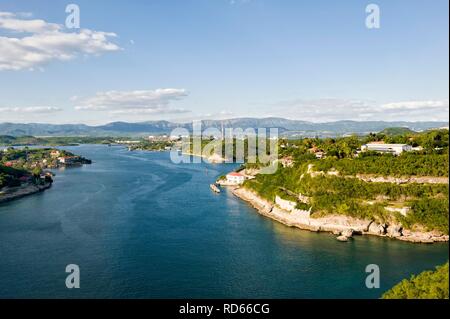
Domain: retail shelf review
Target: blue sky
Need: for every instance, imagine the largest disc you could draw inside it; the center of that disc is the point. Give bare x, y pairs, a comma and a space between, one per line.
190, 59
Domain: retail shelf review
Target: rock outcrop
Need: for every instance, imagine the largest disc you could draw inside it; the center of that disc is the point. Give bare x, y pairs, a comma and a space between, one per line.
342, 238
342, 226
394, 231
22, 191
376, 229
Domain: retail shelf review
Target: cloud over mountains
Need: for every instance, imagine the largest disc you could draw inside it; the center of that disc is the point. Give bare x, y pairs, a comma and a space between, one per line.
333, 109
133, 102
31, 109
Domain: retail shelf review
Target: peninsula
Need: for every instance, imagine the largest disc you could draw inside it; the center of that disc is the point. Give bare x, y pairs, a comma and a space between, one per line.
25, 171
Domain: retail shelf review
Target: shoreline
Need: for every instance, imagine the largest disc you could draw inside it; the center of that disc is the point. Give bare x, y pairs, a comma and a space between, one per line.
339, 225
213, 159
23, 191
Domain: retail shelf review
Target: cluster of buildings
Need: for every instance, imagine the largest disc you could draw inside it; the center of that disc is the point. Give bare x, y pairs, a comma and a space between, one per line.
56, 157
11, 163
66, 160
317, 152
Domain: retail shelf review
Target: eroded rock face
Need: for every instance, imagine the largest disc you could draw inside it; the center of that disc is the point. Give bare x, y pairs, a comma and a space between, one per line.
347, 233
403, 180
342, 238
394, 231
423, 237
377, 229
342, 226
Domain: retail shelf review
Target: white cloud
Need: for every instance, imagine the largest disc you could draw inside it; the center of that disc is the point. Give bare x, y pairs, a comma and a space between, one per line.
134, 102
32, 109
331, 109
149, 111
233, 2
33, 43
416, 105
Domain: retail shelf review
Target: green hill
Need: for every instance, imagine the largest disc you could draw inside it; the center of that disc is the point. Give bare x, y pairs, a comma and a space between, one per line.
393, 131
427, 285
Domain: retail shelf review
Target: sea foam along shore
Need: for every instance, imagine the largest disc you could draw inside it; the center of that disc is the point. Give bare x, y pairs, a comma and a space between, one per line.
22, 191
336, 224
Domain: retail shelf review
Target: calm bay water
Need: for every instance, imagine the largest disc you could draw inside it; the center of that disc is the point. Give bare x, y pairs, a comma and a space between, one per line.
140, 226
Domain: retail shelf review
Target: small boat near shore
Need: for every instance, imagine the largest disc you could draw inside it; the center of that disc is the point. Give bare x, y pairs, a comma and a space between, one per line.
214, 188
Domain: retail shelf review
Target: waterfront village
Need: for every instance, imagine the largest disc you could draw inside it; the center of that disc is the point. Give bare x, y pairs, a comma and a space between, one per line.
25, 171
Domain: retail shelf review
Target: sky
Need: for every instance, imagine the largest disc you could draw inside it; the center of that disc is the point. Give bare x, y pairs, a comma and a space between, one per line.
181, 60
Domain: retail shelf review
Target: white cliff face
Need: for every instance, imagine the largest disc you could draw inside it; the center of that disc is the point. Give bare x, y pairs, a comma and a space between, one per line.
290, 206
342, 225
402, 210
403, 180
382, 179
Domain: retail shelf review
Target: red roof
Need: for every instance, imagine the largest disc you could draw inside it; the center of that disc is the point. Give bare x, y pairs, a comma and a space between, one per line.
235, 174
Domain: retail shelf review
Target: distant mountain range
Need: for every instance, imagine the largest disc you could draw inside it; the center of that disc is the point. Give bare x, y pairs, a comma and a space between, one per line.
286, 127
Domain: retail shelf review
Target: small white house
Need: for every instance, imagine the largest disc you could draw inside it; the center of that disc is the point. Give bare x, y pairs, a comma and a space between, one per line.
395, 149
235, 178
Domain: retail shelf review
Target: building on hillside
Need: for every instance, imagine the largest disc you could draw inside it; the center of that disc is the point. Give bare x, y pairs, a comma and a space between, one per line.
395, 149
55, 153
235, 178
68, 160
287, 161
320, 154
12, 163
317, 152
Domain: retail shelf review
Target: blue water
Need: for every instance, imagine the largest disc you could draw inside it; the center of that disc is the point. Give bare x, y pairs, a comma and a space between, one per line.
139, 226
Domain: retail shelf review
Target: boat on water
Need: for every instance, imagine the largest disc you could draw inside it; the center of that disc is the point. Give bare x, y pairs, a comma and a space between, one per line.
214, 188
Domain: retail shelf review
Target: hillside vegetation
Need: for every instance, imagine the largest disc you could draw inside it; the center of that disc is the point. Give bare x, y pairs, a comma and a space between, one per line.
10, 176
427, 285
331, 186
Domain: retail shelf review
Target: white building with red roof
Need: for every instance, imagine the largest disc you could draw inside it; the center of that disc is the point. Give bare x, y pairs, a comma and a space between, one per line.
235, 178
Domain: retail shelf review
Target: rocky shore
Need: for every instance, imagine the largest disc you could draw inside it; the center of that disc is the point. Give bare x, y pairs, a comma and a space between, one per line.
22, 191
342, 226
